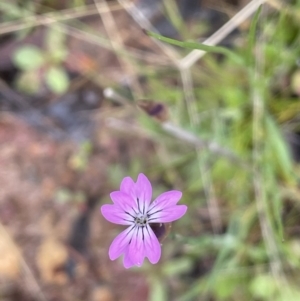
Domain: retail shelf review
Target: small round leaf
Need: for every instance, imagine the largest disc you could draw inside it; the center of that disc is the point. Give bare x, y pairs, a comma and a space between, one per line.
57, 80
28, 57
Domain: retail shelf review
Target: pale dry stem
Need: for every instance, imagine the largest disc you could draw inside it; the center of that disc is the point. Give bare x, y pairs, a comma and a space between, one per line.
180, 133
144, 23
116, 41
190, 59
54, 17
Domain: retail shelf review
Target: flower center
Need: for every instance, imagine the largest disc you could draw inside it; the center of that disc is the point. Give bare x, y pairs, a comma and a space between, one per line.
141, 220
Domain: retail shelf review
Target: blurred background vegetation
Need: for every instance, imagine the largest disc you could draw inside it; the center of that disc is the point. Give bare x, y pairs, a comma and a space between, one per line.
94, 90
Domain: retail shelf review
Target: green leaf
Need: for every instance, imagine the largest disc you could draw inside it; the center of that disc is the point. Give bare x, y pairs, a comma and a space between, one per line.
11, 9
279, 149
57, 80
173, 14
225, 286
28, 82
199, 46
263, 286
28, 57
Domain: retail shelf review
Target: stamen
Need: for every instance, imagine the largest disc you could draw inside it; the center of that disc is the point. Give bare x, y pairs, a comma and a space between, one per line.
141, 220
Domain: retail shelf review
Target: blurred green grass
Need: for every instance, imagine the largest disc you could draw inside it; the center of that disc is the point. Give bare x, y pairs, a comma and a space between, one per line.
237, 103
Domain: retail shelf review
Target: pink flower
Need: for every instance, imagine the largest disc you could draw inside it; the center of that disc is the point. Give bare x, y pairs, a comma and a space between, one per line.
132, 207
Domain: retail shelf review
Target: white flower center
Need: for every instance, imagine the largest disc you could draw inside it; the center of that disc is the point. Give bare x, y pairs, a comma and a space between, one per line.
141, 220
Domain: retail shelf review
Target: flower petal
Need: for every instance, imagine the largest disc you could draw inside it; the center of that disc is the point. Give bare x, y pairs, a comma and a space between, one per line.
136, 249
124, 201
165, 200
167, 215
143, 191
127, 261
164, 209
143, 244
116, 215
128, 186
120, 243
152, 246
